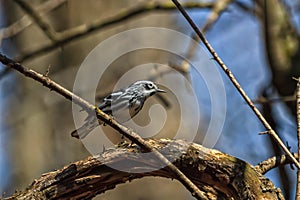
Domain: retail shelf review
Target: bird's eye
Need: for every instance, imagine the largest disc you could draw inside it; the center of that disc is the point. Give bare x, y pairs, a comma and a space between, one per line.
150, 86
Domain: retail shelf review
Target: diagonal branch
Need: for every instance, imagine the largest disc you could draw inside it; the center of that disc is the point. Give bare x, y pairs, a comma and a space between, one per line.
298, 133
128, 133
236, 84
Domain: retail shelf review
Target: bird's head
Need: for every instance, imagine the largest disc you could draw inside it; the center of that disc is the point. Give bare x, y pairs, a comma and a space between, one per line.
149, 88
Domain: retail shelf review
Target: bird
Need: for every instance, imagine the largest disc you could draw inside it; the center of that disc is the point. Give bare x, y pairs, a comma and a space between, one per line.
122, 104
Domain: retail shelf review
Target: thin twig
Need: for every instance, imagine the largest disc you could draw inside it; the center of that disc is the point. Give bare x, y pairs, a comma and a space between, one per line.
235, 83
263, 100
128, 133
298, 133
36, 16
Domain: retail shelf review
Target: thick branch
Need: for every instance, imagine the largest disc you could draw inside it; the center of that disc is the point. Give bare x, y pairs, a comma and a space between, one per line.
218, 175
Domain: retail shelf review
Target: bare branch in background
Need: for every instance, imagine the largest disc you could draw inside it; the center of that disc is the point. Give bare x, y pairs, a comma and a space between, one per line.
39, 20
218, 8
83, 30
26, 21
67, 36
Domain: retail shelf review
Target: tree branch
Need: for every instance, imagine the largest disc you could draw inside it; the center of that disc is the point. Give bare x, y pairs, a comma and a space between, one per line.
298, 133
128, 133
236, 84
219, 175
271, 163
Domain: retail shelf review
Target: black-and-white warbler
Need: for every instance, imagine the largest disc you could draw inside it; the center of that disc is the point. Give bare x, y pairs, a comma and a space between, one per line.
122, 105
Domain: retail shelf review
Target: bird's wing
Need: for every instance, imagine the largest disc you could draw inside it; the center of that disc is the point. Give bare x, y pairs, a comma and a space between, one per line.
115, 101
135, 107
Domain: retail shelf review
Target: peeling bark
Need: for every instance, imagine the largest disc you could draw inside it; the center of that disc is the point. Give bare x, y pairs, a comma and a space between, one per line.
219, 175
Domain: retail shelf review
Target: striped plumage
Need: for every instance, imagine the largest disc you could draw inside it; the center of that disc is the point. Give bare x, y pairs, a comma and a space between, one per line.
122, 105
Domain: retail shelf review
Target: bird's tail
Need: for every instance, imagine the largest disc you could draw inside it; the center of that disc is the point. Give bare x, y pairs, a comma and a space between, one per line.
85, 129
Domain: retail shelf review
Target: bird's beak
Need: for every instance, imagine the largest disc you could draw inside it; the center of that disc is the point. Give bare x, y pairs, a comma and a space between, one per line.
160, 90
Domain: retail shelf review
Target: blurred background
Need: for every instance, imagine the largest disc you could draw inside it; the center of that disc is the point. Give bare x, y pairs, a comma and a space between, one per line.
257, 39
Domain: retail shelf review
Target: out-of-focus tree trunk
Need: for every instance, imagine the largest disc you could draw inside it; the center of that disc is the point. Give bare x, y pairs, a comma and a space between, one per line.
282, 46
281, 43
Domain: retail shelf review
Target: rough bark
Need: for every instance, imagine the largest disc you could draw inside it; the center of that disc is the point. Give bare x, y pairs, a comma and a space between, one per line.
219, 175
